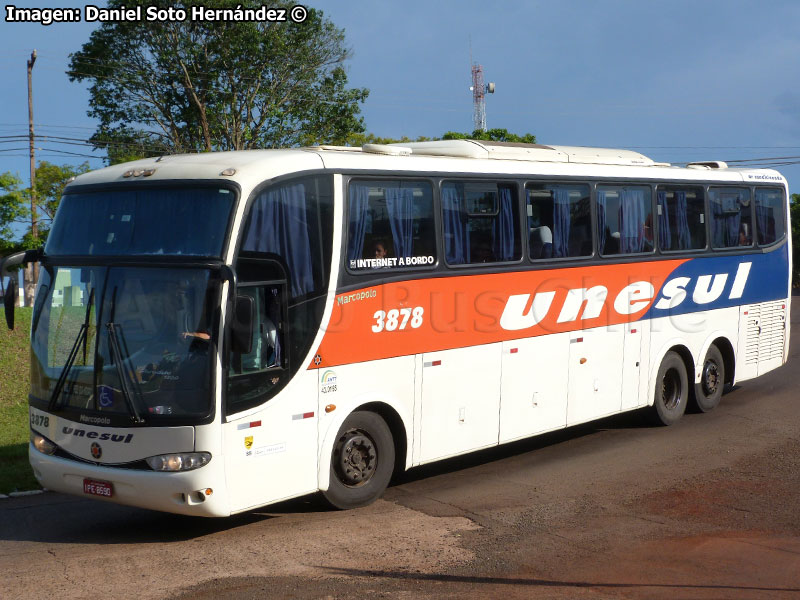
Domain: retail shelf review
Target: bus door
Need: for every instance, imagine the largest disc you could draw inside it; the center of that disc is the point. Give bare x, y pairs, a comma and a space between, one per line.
271, 444
460, 400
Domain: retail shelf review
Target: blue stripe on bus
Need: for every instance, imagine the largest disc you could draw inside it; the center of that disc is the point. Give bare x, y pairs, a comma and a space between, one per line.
767, 280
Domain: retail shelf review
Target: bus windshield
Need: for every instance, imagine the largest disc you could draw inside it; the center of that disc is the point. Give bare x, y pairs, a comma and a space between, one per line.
124, 341
146, 221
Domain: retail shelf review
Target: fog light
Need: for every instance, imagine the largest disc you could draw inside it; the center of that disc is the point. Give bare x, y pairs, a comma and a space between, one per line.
42, 444
184, 461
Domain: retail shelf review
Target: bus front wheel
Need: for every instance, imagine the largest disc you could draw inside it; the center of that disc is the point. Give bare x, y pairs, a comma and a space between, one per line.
708, 391
672, 390
362, 461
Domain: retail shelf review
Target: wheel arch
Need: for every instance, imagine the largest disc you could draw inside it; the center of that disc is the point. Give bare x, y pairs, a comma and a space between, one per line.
681, 350
389, 413
725, 348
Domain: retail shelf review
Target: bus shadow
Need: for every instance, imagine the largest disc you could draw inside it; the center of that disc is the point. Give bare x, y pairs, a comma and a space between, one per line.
59, 519
472, 581
638, 419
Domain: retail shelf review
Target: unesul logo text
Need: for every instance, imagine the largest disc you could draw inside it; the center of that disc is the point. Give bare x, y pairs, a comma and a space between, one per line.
631, 299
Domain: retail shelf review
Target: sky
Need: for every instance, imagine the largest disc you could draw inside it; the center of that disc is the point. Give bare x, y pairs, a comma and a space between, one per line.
676, 80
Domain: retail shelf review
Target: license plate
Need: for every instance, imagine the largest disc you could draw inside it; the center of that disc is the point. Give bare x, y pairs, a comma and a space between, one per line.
98, 488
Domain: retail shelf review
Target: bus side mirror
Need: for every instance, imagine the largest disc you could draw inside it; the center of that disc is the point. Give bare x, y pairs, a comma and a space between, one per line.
9, 300
242, 330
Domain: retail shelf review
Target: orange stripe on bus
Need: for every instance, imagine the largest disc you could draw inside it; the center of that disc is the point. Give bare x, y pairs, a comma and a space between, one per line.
426, 315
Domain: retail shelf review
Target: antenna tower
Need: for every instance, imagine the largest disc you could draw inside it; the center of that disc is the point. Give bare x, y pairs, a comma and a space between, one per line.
479, 91
478, 98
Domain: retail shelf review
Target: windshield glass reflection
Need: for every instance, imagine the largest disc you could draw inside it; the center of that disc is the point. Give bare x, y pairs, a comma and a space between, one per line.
148, 343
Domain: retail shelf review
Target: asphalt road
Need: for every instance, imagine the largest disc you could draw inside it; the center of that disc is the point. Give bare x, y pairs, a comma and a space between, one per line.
708, 508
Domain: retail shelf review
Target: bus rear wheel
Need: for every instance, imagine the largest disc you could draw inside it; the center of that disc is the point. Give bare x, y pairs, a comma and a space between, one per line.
362, 461
708, 391
672, 390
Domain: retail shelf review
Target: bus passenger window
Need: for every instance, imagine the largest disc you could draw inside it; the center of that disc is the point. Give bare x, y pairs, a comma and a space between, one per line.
559, 220
480, 221
731, 221
770, 216
390, 225
681, 218
624, 219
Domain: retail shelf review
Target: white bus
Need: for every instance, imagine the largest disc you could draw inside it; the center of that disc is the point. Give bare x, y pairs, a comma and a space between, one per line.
217, 332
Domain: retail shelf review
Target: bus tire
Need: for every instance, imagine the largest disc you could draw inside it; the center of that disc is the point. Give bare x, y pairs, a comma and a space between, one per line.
672, 390
362, 461
708, 391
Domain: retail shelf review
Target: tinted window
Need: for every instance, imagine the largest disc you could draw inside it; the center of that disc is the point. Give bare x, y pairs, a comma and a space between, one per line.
480, 222
169, 221
731, 222
624, 219
283, 267
559, 220
390, 225
770, 218
681, 218
293, 221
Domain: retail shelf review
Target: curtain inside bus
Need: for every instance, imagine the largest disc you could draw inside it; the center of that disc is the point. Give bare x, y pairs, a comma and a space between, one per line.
456, 231
401, 218
562, 219
730, 217
503, 237
279, 225
769, 215
632, 221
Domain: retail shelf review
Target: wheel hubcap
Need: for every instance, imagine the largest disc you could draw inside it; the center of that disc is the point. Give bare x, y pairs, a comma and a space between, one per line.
710, 378
671, 389
355, 458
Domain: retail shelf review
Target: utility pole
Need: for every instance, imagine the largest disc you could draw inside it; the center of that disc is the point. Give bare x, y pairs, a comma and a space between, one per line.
34, 224
32, 270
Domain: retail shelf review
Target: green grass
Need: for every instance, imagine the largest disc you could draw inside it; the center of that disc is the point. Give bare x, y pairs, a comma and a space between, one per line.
15, 472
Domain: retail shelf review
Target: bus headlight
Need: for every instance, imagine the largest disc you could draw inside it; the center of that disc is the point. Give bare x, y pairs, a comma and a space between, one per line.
185, 461
42, 444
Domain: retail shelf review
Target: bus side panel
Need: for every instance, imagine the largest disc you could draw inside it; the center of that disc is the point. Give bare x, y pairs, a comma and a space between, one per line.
634, 361
271, 452
460, 400
345, 388
533, 393
595, 373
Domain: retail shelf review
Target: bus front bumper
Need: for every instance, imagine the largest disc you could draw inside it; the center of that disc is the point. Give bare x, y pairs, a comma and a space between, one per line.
200, 492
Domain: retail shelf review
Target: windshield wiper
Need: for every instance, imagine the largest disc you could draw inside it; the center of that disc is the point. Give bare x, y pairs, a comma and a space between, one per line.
73, 353
62, 378
116, 353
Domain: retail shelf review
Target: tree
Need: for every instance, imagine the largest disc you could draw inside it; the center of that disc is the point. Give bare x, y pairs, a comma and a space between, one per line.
50, 182
495, 135
12, 210
197, 85
491, 135
359, 139
15, 210
794, 209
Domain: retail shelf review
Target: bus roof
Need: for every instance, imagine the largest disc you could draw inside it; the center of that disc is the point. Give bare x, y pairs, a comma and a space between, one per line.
251, 167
